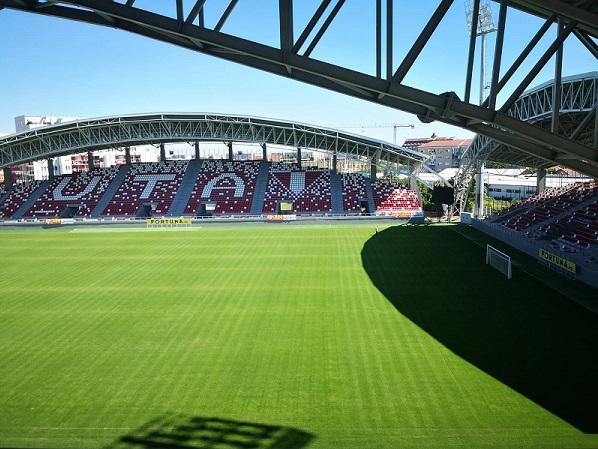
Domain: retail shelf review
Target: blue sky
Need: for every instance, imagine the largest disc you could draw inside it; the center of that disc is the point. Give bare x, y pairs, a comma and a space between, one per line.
57, 67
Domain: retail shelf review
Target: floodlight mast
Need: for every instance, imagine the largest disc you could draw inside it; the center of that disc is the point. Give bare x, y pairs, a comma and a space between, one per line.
485, 27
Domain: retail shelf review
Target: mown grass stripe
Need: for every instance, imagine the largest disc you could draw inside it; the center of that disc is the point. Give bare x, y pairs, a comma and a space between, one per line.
103, 331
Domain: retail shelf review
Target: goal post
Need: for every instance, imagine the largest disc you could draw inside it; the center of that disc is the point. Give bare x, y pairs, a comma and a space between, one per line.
499, 261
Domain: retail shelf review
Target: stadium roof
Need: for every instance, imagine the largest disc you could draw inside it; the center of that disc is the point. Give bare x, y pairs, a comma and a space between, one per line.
291, 57
124, 130
575, 120
583, 13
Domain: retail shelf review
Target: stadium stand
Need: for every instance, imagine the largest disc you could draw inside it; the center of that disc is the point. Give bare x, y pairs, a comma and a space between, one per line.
389, 198
354, 190
83, 189
17, 197
309, 189
231, 185
544, 206
153, 183
177, 208
565, 215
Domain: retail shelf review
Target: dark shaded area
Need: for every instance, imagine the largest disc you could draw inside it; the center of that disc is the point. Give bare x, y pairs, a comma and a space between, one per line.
70, 211
190, 432
520, 332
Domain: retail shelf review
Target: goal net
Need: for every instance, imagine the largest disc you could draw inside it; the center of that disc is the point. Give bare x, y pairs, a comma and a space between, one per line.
498, 260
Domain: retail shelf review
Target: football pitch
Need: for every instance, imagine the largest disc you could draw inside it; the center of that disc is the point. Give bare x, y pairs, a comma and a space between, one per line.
286, 336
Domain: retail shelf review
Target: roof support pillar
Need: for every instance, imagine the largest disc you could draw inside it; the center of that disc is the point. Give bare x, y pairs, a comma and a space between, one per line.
127, 155
374, 167
197, 150
541, 180
264, 152
230, 150
299, 156
162, 153
334, 163
8, 179
90, 163
50, 168
478, 210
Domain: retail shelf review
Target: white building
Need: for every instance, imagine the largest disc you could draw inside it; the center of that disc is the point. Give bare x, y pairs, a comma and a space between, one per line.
507, 183
39, 169
28, 122
521, 187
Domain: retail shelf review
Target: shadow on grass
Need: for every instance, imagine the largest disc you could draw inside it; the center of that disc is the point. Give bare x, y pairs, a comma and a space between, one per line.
520, 332
190, 432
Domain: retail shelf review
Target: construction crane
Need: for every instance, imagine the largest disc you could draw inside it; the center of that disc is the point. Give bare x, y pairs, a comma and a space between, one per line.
394, 127
485, 27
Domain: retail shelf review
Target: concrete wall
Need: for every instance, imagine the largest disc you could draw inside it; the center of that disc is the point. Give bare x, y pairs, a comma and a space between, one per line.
587, 273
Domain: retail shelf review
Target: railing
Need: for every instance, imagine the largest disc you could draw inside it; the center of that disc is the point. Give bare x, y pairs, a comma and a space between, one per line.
195, 219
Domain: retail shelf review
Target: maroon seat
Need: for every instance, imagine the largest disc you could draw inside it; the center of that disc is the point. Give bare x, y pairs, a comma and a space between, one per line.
353, 185
308, 189
84, 189
155, 183
16, 197
390, 197
231, 185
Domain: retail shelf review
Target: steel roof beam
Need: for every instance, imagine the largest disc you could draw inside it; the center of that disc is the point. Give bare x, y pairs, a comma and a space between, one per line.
179, 10
557, 85
502, 19
556, 44
422, 40
285, 11
587, 19
109, 132
379, 38
523, 56
310, 26
227, 12
472, 43
584, 123
324, 27
195, 10
446, 108
389, 38
587, 42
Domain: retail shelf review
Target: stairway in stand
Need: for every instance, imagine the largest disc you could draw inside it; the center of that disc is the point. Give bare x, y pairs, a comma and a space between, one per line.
182, 196
31, 200
260, 189
370, 195
336, 185
110, 191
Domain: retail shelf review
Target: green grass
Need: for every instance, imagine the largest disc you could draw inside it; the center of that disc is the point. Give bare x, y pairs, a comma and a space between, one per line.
361, 340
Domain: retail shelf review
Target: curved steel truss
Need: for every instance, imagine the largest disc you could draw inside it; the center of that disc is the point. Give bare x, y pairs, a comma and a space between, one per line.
291, 57
119, 131
577, 119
